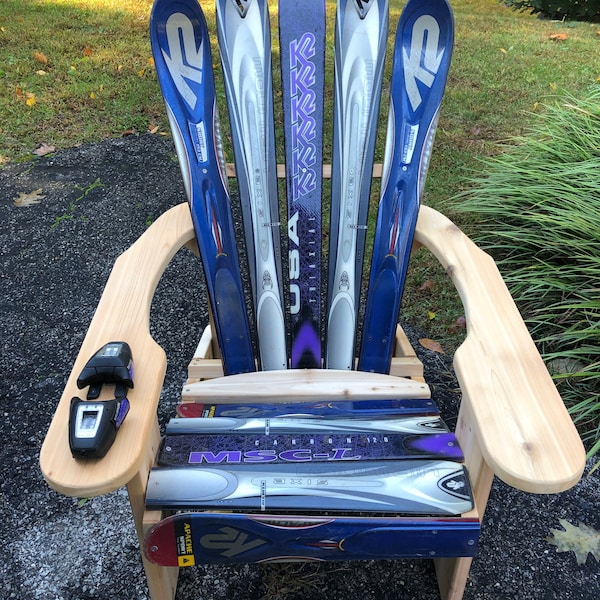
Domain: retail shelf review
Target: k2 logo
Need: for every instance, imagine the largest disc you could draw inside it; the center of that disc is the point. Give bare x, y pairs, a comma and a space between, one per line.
185, 59
231, 541
424, 60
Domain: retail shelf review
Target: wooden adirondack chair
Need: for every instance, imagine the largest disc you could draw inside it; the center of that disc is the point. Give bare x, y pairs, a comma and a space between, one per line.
512, 422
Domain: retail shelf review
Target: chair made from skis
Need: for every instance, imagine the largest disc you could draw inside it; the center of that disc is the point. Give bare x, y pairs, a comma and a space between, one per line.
512, 422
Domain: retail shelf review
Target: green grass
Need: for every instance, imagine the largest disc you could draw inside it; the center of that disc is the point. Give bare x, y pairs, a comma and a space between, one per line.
74, 71
538, 211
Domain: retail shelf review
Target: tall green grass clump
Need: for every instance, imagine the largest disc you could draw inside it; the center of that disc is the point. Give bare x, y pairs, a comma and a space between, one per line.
537, 210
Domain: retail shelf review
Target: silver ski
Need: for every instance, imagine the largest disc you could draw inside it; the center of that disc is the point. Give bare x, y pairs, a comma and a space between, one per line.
409, 487
245, 45
360, 42
298, 425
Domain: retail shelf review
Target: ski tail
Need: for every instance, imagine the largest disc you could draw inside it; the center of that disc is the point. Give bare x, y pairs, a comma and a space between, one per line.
422, 56
181, 49
244, 40
302, 46
360, 43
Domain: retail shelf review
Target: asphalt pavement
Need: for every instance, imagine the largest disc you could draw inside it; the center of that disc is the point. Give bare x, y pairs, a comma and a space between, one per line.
64, 219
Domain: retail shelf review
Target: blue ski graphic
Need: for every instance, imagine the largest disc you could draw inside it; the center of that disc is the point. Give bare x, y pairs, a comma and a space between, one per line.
302, 44
360, 41
181, 49
187, 539
421, 61
244, 40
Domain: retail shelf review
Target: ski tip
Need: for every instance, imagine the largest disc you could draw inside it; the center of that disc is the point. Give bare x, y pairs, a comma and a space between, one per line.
160, 545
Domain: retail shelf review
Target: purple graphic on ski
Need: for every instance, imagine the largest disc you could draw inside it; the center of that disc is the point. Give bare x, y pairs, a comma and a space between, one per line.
302, 43
214, 449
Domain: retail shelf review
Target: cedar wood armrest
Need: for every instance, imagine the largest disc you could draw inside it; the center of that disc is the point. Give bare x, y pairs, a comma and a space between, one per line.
525, 432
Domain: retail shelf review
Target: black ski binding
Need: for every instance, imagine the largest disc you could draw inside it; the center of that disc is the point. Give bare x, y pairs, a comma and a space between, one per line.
113, 363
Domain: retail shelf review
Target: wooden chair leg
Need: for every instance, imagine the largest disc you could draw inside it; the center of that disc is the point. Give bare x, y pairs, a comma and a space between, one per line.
162, 581
452, 573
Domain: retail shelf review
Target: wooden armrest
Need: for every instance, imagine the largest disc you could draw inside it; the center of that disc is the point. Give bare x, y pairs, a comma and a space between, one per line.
123, 314
525, 432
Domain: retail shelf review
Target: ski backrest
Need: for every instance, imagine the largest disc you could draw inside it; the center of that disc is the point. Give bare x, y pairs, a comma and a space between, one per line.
314, 338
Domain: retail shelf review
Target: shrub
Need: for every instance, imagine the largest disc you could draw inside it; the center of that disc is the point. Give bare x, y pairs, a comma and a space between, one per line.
573, 10
538, 211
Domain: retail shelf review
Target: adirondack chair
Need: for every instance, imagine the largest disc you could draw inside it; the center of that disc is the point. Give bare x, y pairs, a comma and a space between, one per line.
512, 422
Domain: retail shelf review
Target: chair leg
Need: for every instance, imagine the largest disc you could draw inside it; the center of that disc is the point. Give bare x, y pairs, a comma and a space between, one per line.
452, 573
162, 581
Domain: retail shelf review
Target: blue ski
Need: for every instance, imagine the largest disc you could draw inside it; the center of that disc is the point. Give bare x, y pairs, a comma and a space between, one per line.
187, 539
360, 41
421, 61
335, 409
245, 44
181, 49
302, 47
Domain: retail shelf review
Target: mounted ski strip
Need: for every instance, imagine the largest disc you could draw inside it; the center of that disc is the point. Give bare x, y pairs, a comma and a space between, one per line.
417, 487
187, 539
181, 49
421, 61
360, 43
245, 44
291, 448
413, 425
378, 409
302, 47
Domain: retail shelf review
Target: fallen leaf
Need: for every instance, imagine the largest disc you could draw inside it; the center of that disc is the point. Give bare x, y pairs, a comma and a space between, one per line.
150, 62
92, 95
41, 72
503, 50
30, 99
431, 345
427, 285
19, 92
431, 315
87, 51
459, 324
29, 199
141, 72
40, 57
582, 540
153, 129
128, 132
558, 37
44, 149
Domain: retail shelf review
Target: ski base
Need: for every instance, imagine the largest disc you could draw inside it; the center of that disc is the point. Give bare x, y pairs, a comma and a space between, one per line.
188, 539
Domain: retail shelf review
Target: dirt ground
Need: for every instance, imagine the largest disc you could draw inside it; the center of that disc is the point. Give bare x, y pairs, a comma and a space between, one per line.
77, 210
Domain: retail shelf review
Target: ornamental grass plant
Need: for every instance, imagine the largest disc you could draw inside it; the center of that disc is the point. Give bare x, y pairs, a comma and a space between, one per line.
537, 211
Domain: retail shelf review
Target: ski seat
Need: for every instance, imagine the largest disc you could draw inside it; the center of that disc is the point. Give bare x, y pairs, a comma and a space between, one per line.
512, 421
